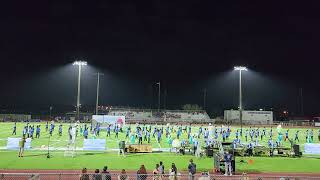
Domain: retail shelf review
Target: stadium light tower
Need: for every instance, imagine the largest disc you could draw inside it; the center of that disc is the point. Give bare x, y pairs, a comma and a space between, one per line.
79, 64
240, 69
98, 87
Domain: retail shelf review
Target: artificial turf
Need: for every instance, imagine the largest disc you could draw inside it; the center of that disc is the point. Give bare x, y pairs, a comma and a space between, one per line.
38, 160
93, 160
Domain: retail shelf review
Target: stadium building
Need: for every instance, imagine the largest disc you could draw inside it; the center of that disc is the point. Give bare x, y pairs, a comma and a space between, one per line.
249, 117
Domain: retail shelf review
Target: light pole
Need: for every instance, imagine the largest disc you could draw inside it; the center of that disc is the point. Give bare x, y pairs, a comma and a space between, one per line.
159, 96
204, 98
79, 64
240, 69
98, 87
50, 110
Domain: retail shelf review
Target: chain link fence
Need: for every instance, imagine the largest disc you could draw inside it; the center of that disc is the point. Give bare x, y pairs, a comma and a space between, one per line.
102, 176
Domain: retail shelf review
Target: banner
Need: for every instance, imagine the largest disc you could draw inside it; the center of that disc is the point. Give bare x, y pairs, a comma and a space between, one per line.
94, 144
13, 143
102, 119
310, 148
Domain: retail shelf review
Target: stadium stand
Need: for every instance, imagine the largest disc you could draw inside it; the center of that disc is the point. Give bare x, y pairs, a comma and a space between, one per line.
140, 115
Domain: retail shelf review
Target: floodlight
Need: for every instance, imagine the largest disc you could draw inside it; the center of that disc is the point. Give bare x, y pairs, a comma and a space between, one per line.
80, 63
240, 68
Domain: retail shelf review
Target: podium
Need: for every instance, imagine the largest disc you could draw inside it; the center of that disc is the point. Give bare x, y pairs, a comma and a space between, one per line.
138, 148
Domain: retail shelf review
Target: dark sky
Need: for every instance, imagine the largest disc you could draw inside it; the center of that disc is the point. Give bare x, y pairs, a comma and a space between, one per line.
187, 45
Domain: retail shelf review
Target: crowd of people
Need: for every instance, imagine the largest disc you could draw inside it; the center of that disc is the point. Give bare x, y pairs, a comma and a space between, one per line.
196, 138
158, 173
208, 135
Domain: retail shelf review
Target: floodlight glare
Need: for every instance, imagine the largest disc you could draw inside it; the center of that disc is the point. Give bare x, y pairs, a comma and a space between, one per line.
240, 68
80, 63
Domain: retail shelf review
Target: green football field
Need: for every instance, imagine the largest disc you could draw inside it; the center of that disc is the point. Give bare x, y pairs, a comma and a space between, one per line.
36, 159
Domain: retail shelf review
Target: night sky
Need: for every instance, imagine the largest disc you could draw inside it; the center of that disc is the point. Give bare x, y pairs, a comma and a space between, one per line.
187, 46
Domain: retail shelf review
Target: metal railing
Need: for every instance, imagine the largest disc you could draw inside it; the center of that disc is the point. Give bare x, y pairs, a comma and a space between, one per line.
103, 176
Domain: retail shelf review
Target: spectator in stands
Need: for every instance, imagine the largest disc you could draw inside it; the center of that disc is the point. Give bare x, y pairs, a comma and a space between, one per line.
123, 175
156, 173
173, 172
161, 168
192, 168
97, 175
142, 173
84, 175
105, 173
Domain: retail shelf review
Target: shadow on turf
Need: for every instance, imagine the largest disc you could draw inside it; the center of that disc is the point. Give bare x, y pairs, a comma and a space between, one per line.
35, 155
89, 153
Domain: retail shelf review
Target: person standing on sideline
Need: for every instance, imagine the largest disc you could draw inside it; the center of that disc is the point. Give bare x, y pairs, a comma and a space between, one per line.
227, 164
117, 132
21, 145
60, 130
270, 144
47, 126
51, 129
250, 149
38, 132
127, 133
14, 130
296, 138
122, 147
139, 136
195, 146
246, 135
192, 169
148, 136
85, 133
108, 131
31, 132
287, 135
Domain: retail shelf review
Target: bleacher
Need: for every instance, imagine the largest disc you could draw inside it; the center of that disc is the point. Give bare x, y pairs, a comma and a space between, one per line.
152, 115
